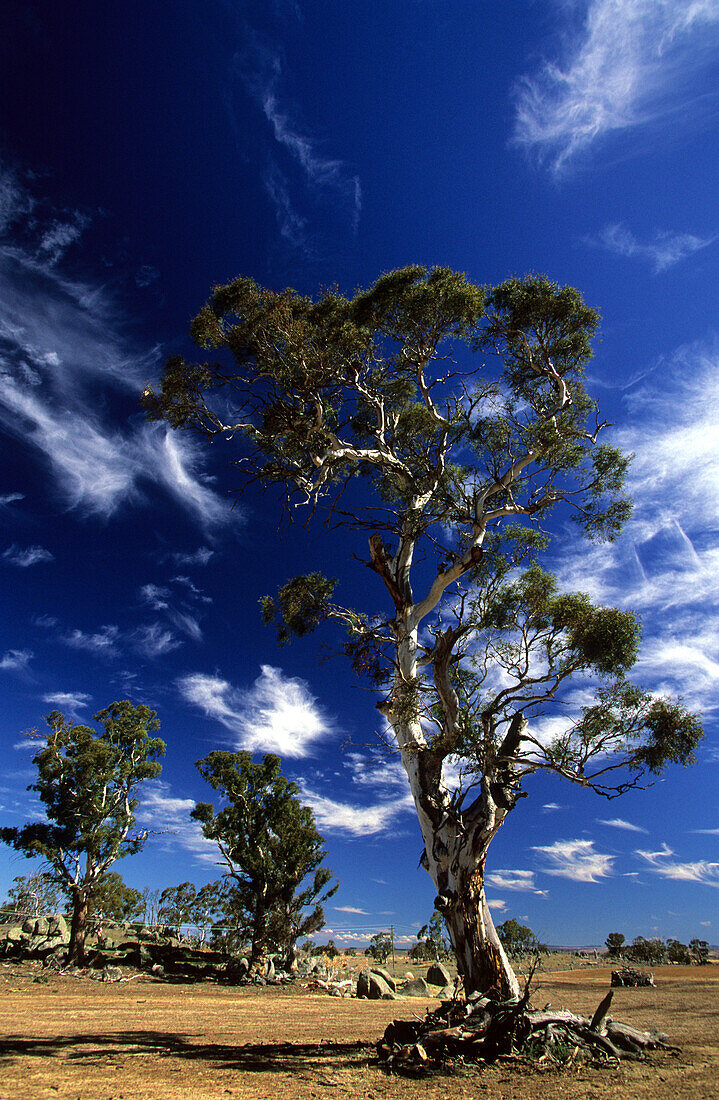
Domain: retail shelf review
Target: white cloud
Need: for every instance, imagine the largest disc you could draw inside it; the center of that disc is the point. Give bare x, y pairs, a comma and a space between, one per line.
277, 714
201, 556
57, 237
514, 880
497, 904
352, 820
619, 823
706, 832
700, 871
169, 816
575, 859
324, 177
23, 558
70, 701
102, 643
664, 566
57, 336
16, 660
154, 641
662, 251
549, 807
10, 498
632, 62
155, 596
350, 909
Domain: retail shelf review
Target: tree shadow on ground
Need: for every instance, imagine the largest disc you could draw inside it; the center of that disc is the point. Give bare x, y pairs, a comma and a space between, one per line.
257, 1057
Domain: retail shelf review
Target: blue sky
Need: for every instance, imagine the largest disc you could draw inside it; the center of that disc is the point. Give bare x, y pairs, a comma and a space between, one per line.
149, 151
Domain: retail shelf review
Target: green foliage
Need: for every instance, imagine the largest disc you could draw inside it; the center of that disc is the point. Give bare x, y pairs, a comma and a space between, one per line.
380, 947
678, 953
615, 944
300, 607
33, 895
652, 952
87, 782
111, 898
699, 950
518, 939
431, 939
269, 842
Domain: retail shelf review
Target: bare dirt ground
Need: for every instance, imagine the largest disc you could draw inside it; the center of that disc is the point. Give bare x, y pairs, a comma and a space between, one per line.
147, 1040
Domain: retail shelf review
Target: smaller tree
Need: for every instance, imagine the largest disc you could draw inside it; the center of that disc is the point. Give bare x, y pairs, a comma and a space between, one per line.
150, 905
176, 904
432, 941
33, 895
615, 944
270, 845
699, 950
87, 782
518, 939
380, 946
678, 953
114, 900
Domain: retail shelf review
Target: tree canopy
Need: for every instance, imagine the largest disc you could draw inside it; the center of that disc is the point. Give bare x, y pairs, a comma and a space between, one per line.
269, 844
450, 423
88, 782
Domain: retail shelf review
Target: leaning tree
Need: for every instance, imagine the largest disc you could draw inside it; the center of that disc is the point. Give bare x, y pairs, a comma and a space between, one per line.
87, 782
448, 422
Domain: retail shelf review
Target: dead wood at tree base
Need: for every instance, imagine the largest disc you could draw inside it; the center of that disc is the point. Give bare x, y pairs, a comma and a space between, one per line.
484, 1030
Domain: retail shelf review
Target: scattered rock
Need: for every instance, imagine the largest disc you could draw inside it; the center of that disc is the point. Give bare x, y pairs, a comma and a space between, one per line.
438, 974
417, 987
111, 974
374, 987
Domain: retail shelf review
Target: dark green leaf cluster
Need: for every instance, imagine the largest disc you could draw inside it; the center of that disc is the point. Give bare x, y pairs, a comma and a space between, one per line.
269, 843
87, 782
324, 390
300, 606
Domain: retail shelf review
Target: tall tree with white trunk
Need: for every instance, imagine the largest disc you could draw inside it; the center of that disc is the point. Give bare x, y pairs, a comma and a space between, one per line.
449, 422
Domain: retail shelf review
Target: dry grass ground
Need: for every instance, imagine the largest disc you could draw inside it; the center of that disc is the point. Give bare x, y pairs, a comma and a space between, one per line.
145, 1040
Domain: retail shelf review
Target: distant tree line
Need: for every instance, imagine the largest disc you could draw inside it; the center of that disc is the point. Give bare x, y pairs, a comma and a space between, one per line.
656, 951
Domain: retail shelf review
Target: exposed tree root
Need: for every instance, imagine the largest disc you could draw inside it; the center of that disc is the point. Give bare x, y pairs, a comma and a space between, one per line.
484, 1030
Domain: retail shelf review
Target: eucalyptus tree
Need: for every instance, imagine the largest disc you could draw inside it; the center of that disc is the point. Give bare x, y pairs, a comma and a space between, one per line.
87, 782
451, 424
269, 843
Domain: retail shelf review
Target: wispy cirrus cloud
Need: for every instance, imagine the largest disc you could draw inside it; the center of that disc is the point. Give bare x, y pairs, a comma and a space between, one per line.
155, 640
16, 660
665, 564
575, 859
662, 251
325, 179
350, 909
103, 643
168, 817
662, 863
10, 498
514, 880
69, 701
349, 819
59, 337
631, 62
620, 823
277, 714
27, 556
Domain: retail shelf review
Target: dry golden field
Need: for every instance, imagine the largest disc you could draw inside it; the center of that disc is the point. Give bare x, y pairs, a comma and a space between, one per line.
147, 1040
